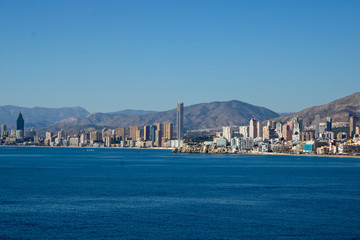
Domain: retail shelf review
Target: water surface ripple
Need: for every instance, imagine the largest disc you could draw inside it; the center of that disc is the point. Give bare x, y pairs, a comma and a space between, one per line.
65, 193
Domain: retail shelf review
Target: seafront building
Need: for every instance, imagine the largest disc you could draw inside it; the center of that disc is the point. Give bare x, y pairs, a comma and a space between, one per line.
4, 132
180, 121
317, 126
290, 137
352, 126
156, 135
168, 130
253, 128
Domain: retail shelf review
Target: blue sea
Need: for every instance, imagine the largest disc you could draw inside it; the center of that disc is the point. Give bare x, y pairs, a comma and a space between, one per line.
67, 193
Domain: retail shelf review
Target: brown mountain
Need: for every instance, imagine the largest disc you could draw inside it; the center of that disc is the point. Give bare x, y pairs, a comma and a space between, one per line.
199, 116
339, 110
39, 116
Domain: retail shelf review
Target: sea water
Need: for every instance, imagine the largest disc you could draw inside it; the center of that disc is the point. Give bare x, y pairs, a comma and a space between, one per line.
76, 193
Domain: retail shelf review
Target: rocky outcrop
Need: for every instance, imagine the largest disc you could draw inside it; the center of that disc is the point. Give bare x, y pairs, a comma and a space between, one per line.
197, 148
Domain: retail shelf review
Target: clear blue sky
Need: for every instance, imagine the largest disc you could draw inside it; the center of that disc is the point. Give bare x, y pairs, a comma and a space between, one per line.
112, 55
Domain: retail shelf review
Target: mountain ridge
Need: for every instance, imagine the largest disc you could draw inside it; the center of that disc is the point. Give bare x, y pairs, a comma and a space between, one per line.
197, 116
39, 116
339, 110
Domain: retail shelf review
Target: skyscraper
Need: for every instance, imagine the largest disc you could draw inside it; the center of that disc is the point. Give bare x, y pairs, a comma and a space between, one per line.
180, 121
296, 130
259, 129
153, 129
138, 134
244, 131
20, 122
253, 128
278, 129
3, 131
286, 132
146, 133
133, 132
228, 133
168, 130
158, 138
120, 134
159, 126
329, 124
317, 126
352, 126
61, 134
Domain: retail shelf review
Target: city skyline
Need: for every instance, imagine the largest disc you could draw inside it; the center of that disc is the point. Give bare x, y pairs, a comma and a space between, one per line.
258, 52
290, 137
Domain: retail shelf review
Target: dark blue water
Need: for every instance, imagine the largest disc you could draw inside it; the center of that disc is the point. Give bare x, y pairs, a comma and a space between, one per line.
63, 193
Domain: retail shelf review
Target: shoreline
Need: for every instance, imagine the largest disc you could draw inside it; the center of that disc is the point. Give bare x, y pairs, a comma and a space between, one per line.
33, 146
304, 155
276, 154
164, 148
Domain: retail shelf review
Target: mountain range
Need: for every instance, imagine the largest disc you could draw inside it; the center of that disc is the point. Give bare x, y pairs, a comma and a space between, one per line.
339, 110
198, 116
40, 117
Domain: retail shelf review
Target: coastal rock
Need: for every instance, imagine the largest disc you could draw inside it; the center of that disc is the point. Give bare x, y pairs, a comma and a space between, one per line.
197, 148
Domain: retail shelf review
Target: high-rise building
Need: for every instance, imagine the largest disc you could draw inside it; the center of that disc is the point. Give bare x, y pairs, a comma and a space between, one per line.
329, 124
12, 133
180, 121
244, 131
266, 132
168, 130
48, 135
20, 134
317, 126
158, 138
146, 133
278, 129
228, 133
3, 131
61, 134
159, 126
352, 126
287, 132
253, 128
20, 122
153, 129
95, 136
120, 134
297, 129
133, 131
84, 138
30, 134
259, 129
138, 134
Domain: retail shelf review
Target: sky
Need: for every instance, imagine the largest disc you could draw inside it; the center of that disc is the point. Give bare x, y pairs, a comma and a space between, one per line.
108, 55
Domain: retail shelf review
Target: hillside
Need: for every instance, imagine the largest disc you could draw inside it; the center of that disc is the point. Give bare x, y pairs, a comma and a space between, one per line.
199, 116
339, 110
131, 112
40, 117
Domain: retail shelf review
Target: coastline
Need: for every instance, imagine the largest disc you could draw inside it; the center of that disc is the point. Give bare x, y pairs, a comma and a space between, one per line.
33, 146
279, 154
163, 148
227, 151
